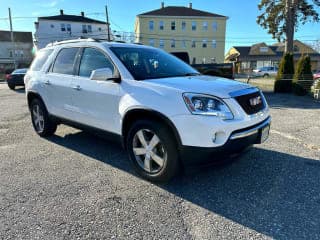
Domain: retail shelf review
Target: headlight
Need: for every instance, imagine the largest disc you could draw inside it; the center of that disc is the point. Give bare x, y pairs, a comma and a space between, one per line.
200, 104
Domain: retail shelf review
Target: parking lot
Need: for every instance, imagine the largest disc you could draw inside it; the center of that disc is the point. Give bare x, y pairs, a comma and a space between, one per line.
76, 185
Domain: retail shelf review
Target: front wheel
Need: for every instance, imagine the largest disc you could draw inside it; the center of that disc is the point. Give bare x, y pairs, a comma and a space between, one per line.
153, 150
41, 122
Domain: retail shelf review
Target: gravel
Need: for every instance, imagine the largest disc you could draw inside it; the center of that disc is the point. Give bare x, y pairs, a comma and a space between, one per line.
77, 186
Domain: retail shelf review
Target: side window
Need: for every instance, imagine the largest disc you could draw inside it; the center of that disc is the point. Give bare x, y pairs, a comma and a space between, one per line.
65, 60
40, 59
91, 60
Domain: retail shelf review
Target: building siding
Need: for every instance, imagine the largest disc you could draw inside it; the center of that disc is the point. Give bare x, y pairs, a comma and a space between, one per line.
46, 34
144, 35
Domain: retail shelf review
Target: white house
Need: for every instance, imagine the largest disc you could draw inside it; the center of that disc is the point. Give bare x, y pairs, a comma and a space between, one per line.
65, 27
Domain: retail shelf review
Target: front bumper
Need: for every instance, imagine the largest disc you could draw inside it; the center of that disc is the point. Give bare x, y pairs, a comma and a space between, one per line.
238, 141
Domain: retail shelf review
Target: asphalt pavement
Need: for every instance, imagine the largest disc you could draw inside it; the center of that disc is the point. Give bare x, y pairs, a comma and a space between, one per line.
78, 186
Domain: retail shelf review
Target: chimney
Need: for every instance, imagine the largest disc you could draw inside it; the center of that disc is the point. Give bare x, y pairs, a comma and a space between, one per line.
190, 5
162, 4
61, 12
82, 14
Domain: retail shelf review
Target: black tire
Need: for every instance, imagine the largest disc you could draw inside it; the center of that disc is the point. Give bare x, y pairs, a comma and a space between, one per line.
11, 86
167, 144
48, 127
266, 75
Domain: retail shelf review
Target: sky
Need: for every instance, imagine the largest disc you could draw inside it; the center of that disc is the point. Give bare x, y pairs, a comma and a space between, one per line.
242, 28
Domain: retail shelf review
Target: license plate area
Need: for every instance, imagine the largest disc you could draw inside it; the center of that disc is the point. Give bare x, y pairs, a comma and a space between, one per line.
264, 133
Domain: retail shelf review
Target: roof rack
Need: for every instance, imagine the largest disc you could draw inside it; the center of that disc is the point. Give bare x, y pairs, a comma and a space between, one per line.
81, 39
73, 41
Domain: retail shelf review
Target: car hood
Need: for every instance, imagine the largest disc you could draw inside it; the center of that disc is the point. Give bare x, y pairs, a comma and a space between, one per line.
215, 86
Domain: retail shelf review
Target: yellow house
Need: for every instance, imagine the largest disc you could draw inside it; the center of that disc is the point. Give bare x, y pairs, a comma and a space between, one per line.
184, 29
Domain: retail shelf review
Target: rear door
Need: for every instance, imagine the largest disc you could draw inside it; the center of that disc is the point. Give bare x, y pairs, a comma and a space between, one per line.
58, 82
96, 102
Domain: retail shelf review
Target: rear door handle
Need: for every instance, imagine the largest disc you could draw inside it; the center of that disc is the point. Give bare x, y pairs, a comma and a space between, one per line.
47, 82
77, 87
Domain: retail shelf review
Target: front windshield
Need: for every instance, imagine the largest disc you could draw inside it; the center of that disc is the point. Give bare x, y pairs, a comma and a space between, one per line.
149, 63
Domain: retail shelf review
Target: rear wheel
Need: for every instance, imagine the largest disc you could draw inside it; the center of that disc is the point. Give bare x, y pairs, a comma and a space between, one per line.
152, 150
40, 119
11, 86
266, 75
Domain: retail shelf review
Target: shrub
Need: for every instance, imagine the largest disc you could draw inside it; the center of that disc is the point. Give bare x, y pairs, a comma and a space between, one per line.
302, 80
283, 83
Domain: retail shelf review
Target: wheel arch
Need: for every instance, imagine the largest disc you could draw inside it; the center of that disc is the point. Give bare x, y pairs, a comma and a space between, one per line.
32, 95
135, 114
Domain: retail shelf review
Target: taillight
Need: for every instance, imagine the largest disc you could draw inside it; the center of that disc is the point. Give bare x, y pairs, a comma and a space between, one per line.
8, 76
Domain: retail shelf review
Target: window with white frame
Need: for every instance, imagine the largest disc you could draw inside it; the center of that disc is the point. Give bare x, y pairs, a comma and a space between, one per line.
161, 25
151, 25
215, 26
151, 42
183, 26
183, 43
63, 27
194, 26
204, 43
173, 25
69, 27
84, 29
193, 43
205, 26
173, 43
161, 43
89, 28
214, 43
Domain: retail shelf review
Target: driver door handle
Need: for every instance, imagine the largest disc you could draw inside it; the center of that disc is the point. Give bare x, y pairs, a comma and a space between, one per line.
47, 82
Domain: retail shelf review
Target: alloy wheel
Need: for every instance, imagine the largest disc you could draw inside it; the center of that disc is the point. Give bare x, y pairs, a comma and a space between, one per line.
149, 151
38, 118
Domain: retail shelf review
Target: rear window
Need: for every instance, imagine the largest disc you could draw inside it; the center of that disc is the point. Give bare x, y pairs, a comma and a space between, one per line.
40, 59
20, 71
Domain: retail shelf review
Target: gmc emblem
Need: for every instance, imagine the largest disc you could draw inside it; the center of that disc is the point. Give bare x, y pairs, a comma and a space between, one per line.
255, 101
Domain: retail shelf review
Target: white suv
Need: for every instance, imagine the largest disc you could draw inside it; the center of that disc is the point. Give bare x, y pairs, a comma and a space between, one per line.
164, 112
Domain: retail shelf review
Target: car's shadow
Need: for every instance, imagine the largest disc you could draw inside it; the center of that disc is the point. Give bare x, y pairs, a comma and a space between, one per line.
20, 90
273, 193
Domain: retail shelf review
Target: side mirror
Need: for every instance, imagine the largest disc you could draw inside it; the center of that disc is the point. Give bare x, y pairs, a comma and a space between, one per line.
104, 74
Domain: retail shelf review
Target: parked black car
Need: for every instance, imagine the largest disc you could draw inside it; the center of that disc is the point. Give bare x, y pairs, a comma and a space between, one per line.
16, 78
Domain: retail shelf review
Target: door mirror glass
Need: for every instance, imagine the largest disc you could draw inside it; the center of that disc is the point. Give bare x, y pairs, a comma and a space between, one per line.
101, 74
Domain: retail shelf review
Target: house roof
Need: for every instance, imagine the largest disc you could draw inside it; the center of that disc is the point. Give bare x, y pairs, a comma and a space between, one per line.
71, 18
243, 50
275, 50
180, 11
26, 37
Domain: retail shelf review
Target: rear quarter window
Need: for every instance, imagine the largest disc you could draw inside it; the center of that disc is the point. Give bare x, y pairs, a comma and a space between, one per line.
40, 59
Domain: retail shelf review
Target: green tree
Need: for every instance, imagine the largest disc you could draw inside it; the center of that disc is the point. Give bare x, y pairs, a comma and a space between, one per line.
283, 83
282, 18
302, 80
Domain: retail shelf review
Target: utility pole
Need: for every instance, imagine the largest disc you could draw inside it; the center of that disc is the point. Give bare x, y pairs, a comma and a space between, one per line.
108, 24
12, 40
